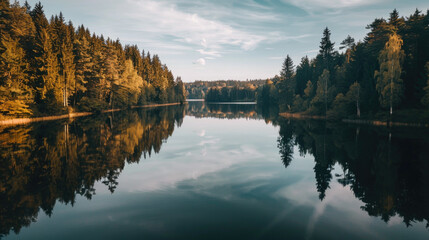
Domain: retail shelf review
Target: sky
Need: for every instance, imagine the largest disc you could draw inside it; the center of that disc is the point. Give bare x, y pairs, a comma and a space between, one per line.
227, 39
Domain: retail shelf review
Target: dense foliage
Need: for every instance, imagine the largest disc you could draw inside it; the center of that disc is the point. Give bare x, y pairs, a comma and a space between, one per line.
50, 67
231, 94
199, 89
387, 70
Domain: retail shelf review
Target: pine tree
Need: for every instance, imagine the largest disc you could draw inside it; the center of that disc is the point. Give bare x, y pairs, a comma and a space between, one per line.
111, 70
287, 69
40, 51
326, 49
395, 20
15, 28
83, 71
348, 44
286, 85
68, 66
180, 90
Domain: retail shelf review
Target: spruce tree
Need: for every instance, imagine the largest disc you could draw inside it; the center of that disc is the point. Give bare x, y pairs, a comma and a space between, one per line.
83, 64
326, 48
286, 85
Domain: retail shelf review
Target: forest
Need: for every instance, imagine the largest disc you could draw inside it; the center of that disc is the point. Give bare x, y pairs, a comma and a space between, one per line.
231, 94
383, 76
199, 89
50, 66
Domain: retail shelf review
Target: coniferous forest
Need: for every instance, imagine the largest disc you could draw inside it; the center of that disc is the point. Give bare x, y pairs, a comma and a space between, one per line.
386, 73
335, 146
50, 66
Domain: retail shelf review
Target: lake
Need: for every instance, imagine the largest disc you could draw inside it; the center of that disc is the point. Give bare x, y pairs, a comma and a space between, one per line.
228, 171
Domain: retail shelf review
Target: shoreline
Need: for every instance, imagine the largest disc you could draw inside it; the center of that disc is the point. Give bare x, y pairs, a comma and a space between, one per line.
20, 121
301, 116
356, 121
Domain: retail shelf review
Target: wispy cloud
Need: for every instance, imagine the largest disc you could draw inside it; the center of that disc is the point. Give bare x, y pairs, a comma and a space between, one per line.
313, 5
209, 53
311, 51
163, 17
245, 34
200, 61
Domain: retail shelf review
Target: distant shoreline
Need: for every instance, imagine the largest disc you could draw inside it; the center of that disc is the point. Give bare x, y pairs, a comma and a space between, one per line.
232, 102
20, 121
356, 121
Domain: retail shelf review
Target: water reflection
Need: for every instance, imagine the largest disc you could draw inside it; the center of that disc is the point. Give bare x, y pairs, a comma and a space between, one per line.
388, 170
234, 175
200, 109
41, 164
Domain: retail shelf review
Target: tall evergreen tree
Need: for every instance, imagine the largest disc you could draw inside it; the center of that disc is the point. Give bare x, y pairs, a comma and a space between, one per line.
348, 44
83, 72
326, 49
286, 85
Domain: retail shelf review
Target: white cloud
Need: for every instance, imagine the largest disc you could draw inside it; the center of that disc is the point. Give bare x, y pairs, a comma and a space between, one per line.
311, 5
209, 53
312, 51
200, 61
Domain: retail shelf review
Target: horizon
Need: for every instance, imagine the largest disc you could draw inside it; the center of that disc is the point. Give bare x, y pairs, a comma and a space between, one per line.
225, 40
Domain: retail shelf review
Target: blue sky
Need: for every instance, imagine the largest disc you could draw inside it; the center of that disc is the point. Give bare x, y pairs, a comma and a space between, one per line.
225, 39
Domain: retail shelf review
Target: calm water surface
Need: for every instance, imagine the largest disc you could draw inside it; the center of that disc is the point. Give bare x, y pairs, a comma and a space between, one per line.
212, 172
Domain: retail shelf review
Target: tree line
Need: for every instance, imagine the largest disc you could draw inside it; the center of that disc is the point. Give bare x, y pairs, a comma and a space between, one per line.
49, 66
199, 89
200, 109
231, 94
387, 71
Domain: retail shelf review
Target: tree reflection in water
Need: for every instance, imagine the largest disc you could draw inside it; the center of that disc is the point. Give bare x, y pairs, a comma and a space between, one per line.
389, 175
56, 161
43, 163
